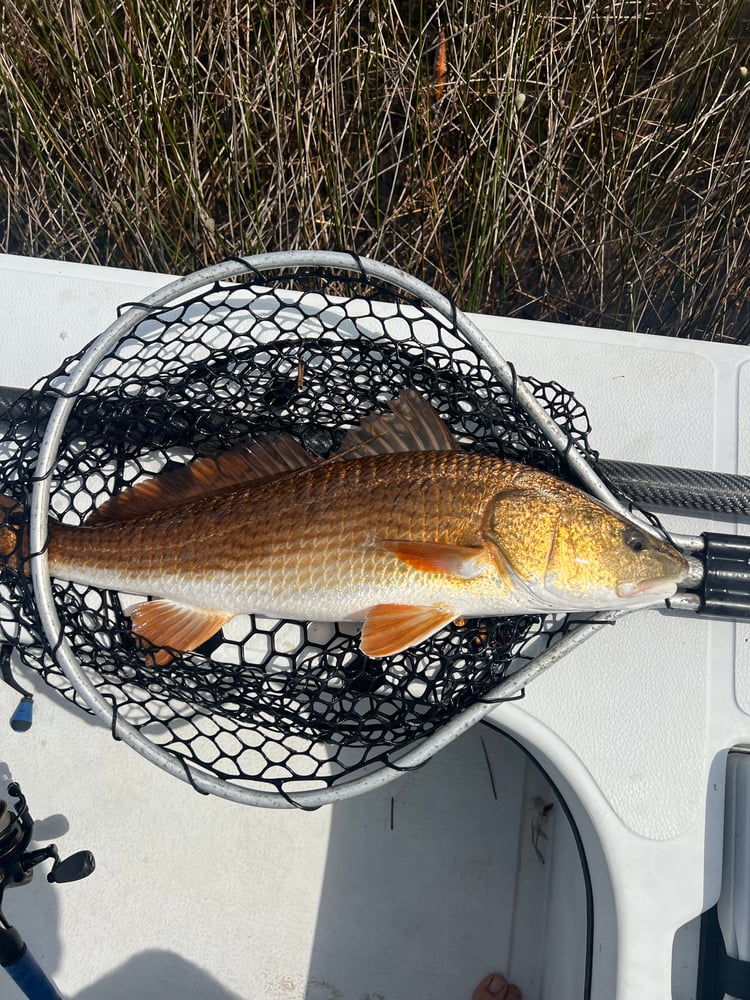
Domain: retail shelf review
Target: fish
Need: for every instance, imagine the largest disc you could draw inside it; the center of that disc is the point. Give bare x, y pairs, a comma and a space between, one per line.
402, 530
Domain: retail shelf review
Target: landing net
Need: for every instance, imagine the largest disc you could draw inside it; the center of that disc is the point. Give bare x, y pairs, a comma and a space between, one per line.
270, 706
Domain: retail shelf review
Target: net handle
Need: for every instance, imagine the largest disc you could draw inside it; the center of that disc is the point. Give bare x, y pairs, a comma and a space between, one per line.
40, 505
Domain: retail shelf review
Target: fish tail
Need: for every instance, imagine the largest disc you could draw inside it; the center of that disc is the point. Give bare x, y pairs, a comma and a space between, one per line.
14, 533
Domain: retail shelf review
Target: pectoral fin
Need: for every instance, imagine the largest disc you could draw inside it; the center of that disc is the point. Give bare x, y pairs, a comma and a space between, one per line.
389, 628
465, 561
165, 623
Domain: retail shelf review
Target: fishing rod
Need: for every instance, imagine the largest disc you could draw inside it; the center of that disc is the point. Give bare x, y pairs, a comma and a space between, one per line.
17, 865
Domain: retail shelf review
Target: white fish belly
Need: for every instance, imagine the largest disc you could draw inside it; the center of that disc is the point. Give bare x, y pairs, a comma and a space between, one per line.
294, 595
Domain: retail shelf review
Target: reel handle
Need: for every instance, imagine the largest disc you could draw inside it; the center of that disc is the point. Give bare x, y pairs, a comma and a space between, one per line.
77, 866
16, 869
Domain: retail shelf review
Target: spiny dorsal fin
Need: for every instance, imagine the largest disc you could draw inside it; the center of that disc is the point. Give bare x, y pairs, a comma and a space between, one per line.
412, 425
389, 628
272, 456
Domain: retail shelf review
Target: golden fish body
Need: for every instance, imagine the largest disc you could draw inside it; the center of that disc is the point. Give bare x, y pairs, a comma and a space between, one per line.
404, 540
311, 546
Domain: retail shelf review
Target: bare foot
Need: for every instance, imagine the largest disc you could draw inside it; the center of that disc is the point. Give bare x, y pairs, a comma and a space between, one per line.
496, 987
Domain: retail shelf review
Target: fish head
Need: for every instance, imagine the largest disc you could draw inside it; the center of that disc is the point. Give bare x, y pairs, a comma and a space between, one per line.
573, 553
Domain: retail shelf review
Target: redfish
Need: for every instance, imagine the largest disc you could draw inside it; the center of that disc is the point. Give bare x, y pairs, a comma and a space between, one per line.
401, 530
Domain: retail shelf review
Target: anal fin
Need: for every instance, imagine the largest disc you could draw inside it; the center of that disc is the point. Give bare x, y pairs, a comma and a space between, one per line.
389, 628
176, 626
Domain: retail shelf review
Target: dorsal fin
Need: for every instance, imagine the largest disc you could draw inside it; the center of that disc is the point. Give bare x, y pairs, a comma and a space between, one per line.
412, 425
271, 456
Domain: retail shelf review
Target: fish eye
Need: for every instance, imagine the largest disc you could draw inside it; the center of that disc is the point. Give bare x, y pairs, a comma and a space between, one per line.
635, 539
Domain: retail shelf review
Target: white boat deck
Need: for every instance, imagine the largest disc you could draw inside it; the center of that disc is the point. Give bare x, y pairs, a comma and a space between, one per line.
417, 890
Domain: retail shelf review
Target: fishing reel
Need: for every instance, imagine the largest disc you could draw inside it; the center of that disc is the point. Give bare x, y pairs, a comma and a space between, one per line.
17, 865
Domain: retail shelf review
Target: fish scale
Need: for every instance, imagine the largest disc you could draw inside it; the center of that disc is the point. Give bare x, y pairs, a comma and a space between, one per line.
306, 537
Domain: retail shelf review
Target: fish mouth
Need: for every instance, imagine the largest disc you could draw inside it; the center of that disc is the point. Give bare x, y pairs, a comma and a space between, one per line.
658, 589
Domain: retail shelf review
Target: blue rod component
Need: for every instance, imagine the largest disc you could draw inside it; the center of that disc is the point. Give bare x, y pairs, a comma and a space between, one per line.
33, 982
21, 719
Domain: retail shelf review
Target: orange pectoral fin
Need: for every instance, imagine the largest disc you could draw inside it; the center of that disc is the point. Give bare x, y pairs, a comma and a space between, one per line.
165, 623
433, 557
389, 628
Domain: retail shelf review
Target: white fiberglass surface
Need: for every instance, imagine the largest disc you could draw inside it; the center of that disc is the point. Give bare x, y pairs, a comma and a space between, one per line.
411, 892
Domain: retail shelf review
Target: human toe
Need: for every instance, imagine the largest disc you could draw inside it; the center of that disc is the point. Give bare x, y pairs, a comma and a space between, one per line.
496, 987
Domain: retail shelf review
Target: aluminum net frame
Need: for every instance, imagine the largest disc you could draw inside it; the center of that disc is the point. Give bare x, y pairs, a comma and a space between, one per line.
306, 343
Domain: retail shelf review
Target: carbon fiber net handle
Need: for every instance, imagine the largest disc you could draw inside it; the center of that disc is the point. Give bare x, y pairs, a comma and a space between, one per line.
684, 489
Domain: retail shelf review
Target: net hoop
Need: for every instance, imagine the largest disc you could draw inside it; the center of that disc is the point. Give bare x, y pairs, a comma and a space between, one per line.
40, 506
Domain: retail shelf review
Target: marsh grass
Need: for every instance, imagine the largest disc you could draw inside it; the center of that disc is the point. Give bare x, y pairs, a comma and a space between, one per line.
579, 162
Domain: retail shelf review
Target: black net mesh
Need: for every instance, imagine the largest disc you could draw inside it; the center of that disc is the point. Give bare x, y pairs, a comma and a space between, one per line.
271, 705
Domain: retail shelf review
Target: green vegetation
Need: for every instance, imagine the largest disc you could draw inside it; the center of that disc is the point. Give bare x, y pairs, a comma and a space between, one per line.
579, 162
